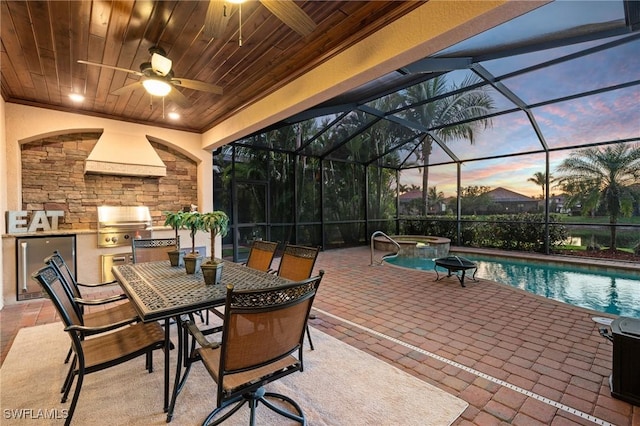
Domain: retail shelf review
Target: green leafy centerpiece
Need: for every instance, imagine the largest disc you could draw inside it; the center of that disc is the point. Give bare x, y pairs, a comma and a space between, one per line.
216, 223
176, 221
193, 222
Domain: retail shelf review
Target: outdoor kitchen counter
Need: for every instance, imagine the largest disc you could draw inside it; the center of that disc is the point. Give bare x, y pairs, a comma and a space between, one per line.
46, 233
77, 232
88, 254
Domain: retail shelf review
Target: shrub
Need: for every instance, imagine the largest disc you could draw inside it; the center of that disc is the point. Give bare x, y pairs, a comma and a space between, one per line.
522, 231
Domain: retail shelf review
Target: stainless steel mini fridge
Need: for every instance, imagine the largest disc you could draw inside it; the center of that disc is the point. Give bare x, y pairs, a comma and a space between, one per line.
30, 255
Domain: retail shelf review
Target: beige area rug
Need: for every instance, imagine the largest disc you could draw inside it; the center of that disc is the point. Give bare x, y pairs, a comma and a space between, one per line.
340, 385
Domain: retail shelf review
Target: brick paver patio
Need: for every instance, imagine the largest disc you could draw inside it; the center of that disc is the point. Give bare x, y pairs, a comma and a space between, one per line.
516, 358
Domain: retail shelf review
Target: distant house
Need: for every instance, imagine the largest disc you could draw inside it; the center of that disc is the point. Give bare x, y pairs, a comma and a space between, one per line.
556, 204
410, 202
512, 202
502, 201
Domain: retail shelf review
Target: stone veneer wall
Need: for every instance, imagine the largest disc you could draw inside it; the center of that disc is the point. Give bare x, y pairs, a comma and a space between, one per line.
53, 179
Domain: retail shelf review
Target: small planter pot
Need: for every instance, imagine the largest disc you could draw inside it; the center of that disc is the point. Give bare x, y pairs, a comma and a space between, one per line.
212, 272
192, 263
176, 257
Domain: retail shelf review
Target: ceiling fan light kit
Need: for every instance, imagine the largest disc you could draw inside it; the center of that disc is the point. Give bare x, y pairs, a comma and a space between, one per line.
157, 78
156, 87
161, 64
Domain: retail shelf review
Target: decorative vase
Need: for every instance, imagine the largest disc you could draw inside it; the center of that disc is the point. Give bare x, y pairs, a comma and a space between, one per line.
176, 257
192, 263
212, 272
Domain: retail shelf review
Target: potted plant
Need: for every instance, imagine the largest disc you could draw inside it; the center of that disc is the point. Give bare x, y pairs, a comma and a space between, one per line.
216, 223
193, 222
176, 221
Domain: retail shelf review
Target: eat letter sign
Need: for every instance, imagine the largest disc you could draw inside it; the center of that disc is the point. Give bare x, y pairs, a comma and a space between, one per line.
16, 221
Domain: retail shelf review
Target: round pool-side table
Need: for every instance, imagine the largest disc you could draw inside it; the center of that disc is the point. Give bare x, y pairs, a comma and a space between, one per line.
455, 264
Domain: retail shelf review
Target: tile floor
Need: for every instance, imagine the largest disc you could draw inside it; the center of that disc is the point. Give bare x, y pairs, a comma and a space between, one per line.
515, 358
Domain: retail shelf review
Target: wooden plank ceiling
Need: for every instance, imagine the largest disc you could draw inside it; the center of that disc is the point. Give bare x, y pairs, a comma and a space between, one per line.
41, 42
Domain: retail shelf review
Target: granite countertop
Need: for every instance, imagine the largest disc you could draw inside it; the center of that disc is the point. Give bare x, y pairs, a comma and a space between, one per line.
70, 232
48, 233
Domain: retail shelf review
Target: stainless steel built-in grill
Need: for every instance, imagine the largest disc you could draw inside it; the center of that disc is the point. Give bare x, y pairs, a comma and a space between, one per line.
118, 225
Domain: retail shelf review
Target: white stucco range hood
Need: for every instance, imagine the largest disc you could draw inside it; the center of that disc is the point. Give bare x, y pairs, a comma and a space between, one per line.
125, 155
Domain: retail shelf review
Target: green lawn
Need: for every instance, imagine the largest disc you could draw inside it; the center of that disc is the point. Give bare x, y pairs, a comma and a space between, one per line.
604, 220
599, 220
559, 249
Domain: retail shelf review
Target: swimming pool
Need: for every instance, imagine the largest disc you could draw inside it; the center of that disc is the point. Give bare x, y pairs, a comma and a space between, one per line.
613, 292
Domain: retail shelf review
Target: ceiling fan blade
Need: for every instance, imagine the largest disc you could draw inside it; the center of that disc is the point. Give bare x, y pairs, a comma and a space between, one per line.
292, 15
216, 19
177, 97
197, 85
110, 67
128, 88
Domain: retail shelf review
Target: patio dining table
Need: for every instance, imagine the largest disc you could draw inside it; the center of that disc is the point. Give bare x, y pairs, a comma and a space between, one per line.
160, 292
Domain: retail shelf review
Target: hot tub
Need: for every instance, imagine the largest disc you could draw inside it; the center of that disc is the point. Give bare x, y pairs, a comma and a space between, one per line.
423, 246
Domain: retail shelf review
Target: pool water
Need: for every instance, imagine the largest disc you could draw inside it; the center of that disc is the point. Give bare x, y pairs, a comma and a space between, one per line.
603, 290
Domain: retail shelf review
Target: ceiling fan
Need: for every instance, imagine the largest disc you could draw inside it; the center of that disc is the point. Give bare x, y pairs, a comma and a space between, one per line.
158, 80
286, 10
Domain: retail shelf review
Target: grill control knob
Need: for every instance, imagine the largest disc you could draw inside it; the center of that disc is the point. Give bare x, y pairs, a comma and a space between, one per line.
107, 239
114, 239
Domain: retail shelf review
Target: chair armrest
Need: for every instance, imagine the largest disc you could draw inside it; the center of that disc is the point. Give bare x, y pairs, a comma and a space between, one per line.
93, 302
98, 284
96, 330
208, 331
199, 336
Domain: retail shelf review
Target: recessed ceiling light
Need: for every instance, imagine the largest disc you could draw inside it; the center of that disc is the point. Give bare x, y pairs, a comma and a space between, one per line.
173, 115
76, 97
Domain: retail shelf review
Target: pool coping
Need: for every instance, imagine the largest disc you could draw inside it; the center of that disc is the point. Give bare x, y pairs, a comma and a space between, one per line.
575, 260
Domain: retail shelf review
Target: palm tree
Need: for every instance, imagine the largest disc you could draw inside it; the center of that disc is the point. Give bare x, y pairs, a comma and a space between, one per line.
402, 188
451, 117
607, 177
540, 179
436, 198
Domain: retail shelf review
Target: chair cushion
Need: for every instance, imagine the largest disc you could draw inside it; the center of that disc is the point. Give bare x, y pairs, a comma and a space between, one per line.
211, 360
133, 339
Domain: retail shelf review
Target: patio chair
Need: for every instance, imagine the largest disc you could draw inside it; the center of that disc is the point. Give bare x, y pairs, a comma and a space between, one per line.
76, 285
152, 249
262, 338
261, 255
123, 312
113, 346
297, 264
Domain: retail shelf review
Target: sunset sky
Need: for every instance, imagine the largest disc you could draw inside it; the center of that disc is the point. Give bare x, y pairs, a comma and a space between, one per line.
596, 117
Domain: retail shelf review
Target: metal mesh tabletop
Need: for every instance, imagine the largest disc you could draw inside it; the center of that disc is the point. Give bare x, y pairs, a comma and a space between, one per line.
159, 290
